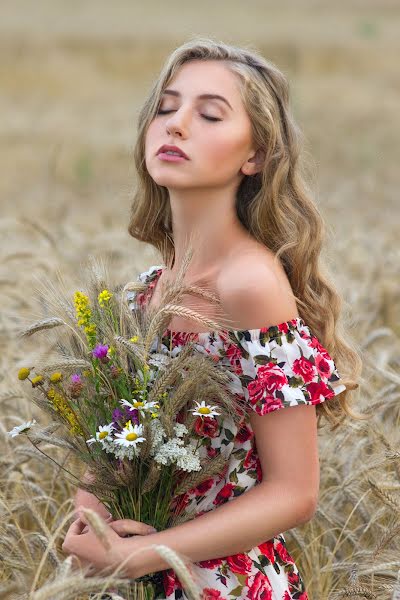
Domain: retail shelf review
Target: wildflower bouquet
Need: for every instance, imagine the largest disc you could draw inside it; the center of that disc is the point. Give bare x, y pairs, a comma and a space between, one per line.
134, 416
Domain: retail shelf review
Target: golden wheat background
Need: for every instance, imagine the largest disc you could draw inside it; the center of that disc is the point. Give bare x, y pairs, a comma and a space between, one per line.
73, 76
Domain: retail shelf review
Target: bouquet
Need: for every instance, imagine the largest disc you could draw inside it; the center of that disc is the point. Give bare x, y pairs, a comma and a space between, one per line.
136, 418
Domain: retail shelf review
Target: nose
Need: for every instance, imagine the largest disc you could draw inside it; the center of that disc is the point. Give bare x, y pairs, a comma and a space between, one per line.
176, 124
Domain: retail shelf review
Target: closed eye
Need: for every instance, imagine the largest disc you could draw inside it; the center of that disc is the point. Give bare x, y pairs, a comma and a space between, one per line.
165, 112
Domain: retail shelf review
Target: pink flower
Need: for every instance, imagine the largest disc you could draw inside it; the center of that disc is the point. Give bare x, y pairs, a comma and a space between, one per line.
305, 368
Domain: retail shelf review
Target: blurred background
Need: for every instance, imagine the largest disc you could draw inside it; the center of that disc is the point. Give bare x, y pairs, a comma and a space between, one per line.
73, 76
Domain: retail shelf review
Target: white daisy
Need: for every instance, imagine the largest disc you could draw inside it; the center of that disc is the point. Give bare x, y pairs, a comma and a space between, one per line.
130, 435
141, 406
21, 428
103, 434
205, 410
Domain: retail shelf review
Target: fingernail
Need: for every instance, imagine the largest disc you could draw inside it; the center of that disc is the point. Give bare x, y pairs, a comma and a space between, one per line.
153, 530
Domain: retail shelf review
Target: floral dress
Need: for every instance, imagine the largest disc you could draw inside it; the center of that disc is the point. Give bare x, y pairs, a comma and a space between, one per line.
273, 367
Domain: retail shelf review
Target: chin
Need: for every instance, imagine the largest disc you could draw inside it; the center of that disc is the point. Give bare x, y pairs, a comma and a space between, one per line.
170, 182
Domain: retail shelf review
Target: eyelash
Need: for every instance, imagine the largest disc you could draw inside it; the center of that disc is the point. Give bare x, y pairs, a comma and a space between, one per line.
164, 112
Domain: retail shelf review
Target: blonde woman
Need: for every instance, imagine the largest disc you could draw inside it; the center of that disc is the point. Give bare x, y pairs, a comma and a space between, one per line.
217, 157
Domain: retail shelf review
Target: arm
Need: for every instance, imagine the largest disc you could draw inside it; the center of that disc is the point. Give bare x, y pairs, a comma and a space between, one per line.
287, 496
233, 528
88, 500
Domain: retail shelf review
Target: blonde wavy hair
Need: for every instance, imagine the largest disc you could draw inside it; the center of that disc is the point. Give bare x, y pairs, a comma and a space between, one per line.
274, 205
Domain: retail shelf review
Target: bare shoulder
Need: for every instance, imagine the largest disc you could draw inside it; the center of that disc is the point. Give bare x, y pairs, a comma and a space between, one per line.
255, 291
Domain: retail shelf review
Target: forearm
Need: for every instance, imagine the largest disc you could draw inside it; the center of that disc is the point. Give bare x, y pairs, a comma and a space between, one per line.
233, 528
88, 500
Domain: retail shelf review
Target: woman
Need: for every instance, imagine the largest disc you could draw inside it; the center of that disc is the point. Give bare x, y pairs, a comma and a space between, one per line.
217, 160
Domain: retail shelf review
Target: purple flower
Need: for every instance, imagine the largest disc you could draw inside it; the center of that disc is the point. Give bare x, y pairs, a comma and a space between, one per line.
76, 378
133, 415
100, 351
117, 414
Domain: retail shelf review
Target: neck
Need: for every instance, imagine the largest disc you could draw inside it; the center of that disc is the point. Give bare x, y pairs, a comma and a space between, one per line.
209, 223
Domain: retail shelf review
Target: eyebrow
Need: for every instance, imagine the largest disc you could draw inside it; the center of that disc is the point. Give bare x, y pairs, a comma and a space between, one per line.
201, 96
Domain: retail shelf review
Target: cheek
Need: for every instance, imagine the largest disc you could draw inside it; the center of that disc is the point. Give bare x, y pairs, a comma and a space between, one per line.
225, 152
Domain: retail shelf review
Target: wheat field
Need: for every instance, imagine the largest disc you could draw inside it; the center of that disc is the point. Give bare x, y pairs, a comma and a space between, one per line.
73, 76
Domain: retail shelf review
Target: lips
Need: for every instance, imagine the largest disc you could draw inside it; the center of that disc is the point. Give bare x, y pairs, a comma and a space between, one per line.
166, 147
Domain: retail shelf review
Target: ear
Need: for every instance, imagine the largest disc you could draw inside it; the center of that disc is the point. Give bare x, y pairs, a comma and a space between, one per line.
255, 163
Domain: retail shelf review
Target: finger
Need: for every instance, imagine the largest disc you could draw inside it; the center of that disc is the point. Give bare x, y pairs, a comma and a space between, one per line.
83, 517
76, 527
129, 526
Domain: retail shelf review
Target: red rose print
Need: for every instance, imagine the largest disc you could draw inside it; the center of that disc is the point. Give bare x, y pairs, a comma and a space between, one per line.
304, 596
211, 564
240, 563
169, 581
179, 337
272, 376
286, 596
318, 390
283, 553
234, 354
304, 334
305, 368
202, 488
260, 588
315, 343
140, 298
268, 405
267, 549
211, 594
211, 452
244, 434
224, 494
179, 503
293, 578
206, 427
256, 390
250, 460
283, 327
323, 366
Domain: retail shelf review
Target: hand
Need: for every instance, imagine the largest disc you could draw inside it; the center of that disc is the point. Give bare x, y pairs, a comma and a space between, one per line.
127, 527
107, 520
89, 552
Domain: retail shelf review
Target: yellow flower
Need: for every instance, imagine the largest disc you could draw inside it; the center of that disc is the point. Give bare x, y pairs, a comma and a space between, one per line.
61, 406
146, 368
111, 351
23, 373
83, 312
51, 393
134, 339
104, 297
86, 373
37, 380
90, 329
56, 377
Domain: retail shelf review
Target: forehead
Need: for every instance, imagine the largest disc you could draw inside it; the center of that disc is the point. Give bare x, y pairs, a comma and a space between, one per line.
198, 77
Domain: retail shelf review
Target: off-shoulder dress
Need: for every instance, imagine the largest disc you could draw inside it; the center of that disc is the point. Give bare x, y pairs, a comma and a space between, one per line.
273, 368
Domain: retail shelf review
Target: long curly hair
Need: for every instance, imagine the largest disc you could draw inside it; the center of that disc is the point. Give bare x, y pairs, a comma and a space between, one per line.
275, 204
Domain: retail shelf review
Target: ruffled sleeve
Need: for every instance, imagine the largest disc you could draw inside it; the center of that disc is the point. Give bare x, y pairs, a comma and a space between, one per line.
138, 299
286, 365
